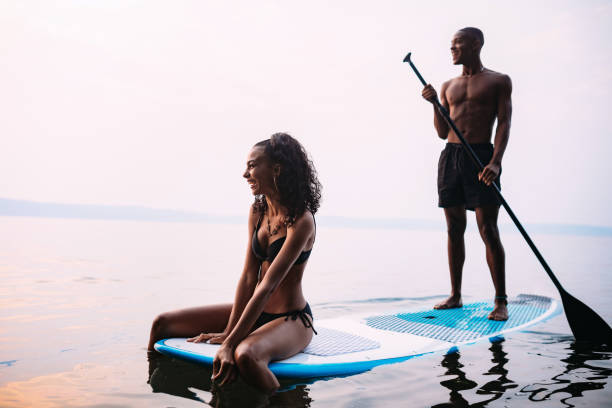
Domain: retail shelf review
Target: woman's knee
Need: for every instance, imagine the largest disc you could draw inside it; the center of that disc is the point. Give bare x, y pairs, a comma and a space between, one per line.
247, 356
160, 325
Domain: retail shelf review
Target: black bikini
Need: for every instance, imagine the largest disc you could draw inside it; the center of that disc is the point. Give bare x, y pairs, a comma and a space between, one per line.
305, 316
273, 248
269, 254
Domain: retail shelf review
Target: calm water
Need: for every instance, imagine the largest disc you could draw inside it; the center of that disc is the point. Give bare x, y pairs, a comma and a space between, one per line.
77, 298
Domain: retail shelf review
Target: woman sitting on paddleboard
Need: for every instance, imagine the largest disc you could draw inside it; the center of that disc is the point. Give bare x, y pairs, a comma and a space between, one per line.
270, 318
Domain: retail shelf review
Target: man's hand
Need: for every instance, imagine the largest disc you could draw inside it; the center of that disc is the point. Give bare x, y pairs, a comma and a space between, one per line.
489, 173
212, 338
224, 366
429, 93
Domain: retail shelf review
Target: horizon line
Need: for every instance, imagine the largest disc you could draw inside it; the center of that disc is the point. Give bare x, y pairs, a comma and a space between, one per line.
28, 208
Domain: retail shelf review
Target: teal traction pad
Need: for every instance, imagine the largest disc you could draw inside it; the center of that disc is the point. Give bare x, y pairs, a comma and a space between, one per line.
467, 323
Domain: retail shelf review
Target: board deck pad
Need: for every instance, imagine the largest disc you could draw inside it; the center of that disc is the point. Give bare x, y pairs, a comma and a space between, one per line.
330, 342
353, 344
469, 322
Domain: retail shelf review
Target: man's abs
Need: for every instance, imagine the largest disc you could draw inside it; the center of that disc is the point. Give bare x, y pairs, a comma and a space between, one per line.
474, 122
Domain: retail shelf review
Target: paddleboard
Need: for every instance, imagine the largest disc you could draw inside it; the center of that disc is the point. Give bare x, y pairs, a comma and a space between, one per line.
353, 344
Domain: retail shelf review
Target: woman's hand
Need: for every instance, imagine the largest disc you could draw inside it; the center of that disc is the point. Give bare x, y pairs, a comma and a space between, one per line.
224, 366
212, 338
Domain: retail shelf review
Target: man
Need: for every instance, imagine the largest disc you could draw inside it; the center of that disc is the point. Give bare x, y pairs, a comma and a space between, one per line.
475, 99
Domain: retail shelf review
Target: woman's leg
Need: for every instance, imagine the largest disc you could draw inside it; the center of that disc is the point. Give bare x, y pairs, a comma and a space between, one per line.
275, 340
190, 322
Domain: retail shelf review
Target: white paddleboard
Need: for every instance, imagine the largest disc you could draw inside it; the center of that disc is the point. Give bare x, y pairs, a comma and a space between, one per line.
353, 344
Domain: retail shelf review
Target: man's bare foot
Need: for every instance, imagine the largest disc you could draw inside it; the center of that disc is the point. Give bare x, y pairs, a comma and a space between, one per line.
500, 311
452, 302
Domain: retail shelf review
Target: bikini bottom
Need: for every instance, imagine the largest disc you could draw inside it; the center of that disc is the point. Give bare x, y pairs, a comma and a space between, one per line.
305, 315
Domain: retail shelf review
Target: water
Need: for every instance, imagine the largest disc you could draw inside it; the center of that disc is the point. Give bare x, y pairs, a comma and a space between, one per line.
77, 298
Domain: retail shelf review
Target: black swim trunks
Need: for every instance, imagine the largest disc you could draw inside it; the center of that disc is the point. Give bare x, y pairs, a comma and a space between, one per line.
305, 316
458, 183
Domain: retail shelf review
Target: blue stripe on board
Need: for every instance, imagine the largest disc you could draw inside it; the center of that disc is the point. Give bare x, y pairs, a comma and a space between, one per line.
161, 347
292, 370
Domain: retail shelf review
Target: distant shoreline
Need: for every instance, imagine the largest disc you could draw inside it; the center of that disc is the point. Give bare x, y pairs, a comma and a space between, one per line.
25, 208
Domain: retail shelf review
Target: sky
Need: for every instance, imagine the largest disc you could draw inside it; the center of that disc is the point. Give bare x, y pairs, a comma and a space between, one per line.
157, 103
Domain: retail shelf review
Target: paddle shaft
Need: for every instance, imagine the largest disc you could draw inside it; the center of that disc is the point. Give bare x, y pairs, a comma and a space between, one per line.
480, 167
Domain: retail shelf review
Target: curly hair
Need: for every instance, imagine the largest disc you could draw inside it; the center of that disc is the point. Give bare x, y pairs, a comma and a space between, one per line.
297, 182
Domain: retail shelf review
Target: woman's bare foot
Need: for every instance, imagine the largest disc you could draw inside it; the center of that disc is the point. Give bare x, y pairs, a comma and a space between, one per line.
452, 302
500, 311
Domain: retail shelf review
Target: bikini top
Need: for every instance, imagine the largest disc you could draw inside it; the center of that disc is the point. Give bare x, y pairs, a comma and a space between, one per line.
273, 248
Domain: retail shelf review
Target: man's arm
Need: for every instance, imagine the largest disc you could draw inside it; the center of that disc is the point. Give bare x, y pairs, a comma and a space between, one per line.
429, 93
502, 133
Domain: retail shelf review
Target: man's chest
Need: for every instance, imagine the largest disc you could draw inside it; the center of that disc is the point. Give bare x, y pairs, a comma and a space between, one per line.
470, 90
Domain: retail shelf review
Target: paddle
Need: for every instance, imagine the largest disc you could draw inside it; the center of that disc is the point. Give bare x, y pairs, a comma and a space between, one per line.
584, 322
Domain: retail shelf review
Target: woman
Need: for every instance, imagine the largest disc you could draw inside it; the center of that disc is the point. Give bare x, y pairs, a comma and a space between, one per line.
270, 318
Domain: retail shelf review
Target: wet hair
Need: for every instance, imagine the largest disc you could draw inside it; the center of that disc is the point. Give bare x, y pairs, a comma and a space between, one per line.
474, 33
297, 181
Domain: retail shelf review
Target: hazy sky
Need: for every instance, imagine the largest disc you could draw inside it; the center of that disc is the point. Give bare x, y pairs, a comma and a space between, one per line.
157, 103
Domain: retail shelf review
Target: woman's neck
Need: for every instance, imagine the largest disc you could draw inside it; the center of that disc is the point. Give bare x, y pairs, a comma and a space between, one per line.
274, 206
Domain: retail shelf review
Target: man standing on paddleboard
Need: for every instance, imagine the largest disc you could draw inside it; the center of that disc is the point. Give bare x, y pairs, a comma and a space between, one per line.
475, 99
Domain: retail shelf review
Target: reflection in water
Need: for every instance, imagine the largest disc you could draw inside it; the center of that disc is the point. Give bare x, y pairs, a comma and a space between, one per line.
460, 383
578, 377
494, 388
578, 373
179, 378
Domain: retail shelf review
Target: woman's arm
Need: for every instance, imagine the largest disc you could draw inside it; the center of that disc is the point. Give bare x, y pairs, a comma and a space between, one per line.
224, 369
248, 280
244, 290
297, 238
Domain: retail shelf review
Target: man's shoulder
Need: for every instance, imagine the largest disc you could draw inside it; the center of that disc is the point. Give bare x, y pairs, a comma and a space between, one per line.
446, 84
454, 79
497, 76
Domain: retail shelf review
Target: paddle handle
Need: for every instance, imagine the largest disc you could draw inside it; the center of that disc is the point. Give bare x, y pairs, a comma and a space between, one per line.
494, 185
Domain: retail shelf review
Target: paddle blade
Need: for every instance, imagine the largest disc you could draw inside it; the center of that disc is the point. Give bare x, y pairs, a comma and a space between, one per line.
584, 322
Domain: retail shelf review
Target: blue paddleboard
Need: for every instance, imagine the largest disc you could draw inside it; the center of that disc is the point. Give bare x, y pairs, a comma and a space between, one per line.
353, 344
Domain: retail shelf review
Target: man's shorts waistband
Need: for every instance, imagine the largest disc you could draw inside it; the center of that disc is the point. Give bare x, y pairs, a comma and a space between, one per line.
472, 145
